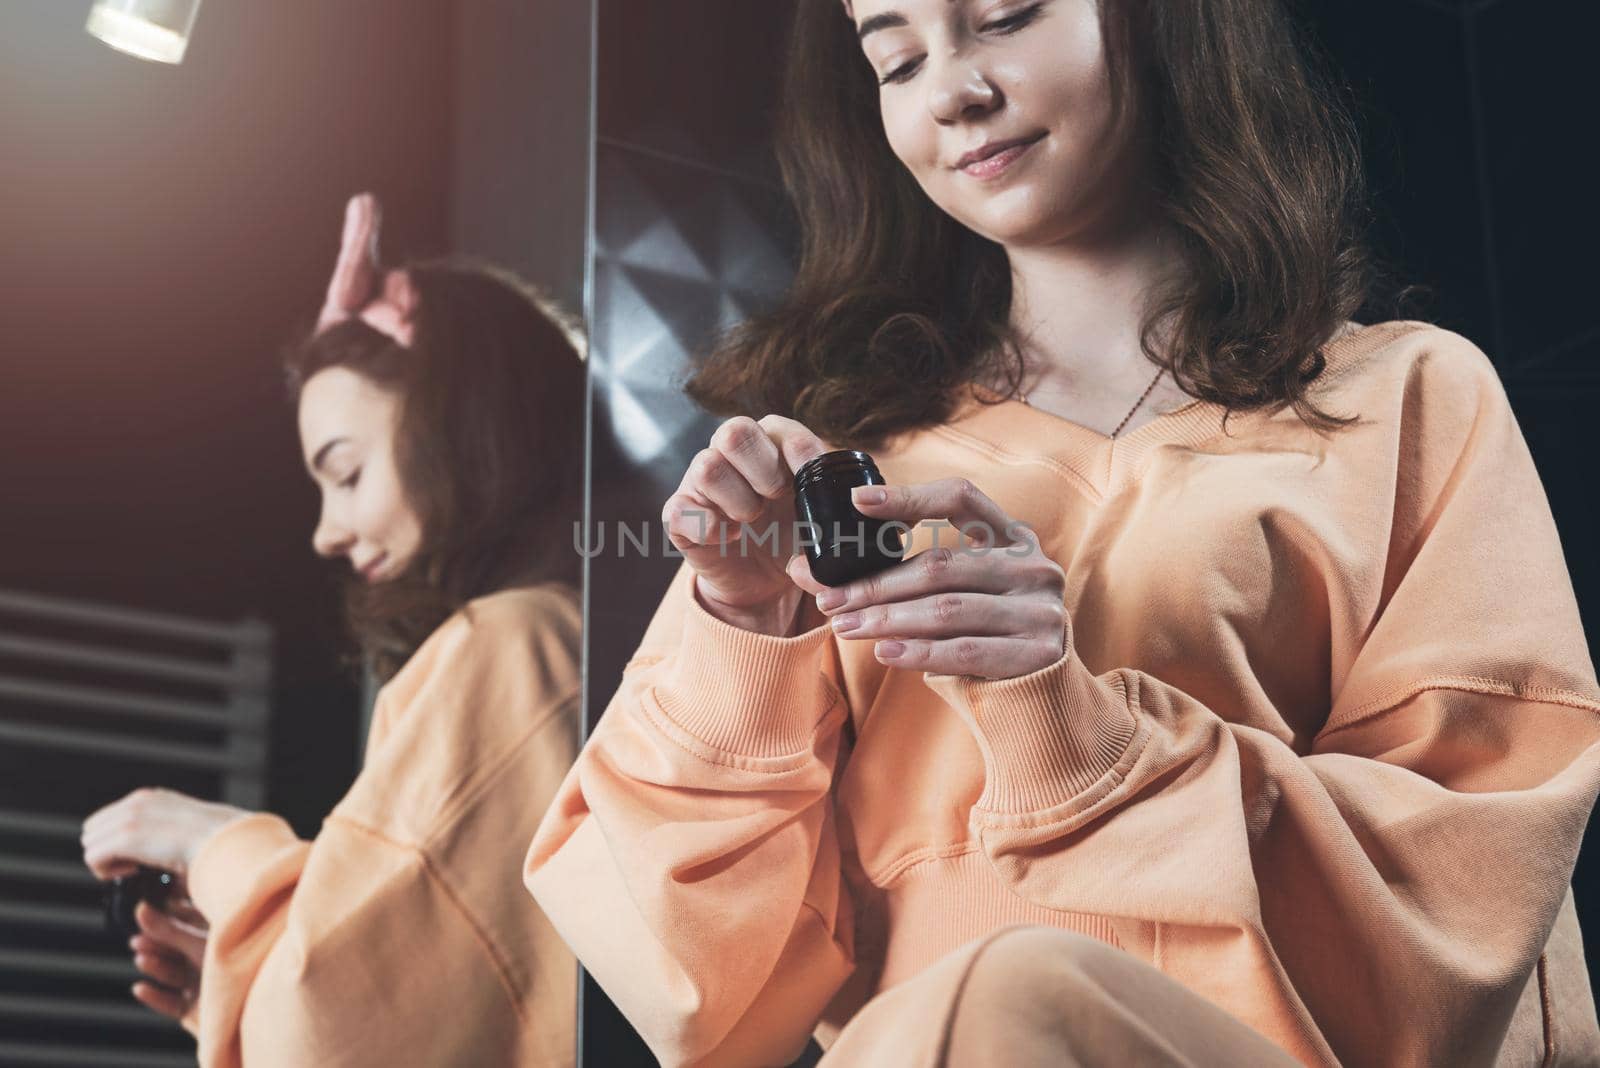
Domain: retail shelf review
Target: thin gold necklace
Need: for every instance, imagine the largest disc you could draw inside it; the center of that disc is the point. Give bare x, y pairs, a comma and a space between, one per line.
1136, 406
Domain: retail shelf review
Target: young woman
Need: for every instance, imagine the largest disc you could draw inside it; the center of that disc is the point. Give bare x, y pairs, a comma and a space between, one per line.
1268, 736
439, 419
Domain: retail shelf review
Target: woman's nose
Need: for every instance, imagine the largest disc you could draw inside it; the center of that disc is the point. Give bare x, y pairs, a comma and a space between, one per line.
960, 90
330, 539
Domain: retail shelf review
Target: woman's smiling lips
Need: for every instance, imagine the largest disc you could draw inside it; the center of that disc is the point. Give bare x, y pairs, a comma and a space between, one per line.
996, 157
371, 571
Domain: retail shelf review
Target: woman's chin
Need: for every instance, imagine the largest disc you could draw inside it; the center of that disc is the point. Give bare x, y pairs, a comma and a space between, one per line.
1014, 232
1015, 220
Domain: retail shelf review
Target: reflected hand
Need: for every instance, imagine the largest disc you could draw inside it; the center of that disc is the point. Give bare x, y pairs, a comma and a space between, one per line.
996, 609
745, 476
170, 949
359, 288
157, 828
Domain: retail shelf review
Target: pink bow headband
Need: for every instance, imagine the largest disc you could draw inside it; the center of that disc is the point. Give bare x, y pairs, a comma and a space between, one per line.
354, 291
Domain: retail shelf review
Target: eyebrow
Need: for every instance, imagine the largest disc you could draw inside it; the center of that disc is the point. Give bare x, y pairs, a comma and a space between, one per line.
322, 453
886, 21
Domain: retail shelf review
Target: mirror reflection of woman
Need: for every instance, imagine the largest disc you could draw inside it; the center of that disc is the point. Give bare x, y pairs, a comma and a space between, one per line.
440, 408
1270, 739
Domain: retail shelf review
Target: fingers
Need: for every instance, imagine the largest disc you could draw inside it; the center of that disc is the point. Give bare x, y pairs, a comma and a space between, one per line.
944, 569
105, 835
950, 615
692, 522
164, 931
158, 828
167, 968
799, 571
713, 478
968, 508
166, 1002
182, 911
111, 855
747, 466
109, 866
983, 657
168, 953
795, 441
355, 273
105, 815
751, 452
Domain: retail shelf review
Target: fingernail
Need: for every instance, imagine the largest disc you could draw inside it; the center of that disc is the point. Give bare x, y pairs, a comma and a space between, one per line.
890, 650
828, 600
846, 623
869, 494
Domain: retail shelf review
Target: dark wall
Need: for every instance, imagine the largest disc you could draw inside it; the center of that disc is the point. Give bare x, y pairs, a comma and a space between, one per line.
520, 149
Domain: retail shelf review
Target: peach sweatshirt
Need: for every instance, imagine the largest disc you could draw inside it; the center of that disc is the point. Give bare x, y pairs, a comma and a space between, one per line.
1321, 748
401, 934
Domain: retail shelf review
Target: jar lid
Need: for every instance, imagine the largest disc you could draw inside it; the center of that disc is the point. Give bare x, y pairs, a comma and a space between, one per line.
831, 463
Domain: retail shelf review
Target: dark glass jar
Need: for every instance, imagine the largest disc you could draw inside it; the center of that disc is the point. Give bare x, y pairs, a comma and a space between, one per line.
123, 894
842, 544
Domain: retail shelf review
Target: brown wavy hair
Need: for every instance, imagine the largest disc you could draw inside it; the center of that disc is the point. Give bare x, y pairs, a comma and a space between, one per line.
489, 446
1255, 166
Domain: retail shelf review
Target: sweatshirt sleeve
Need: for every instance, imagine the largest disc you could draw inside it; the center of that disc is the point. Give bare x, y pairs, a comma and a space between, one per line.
1391, 884
690, 858
332, 952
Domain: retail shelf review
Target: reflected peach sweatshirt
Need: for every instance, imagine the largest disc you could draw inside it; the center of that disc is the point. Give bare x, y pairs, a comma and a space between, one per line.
1321, 747
401, 934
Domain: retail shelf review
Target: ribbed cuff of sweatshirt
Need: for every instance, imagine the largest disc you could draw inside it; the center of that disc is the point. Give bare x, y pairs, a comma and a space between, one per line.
1047, 737
745, 693
228, 870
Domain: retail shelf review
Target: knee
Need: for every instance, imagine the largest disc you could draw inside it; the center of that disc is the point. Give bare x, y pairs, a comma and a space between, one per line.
1024, 961
1032, 996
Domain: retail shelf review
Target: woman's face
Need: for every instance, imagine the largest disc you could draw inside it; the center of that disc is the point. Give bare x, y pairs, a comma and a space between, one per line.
347, 433
1001, 110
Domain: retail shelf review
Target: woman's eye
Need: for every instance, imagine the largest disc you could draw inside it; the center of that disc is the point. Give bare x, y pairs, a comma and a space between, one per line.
1013, 23
901, 73
350, 481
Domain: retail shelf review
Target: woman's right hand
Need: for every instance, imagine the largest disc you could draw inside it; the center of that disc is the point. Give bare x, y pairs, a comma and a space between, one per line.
733, 519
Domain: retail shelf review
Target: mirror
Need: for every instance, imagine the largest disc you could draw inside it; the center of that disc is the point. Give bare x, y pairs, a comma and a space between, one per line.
164, 619
691, 236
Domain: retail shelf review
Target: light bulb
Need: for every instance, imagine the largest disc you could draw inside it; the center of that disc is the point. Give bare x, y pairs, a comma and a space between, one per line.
150, 29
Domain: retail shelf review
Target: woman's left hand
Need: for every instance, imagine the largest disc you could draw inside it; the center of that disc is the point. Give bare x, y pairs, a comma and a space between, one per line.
995, 608
155, 828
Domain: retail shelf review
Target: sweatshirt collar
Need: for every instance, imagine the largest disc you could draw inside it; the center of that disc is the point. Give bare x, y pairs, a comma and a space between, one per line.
1102, 465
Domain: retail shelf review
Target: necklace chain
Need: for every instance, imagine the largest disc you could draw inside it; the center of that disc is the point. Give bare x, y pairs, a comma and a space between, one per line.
1136, 406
